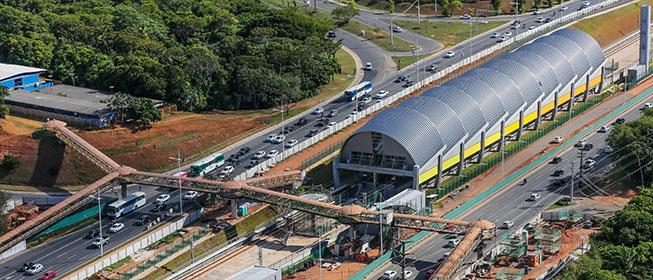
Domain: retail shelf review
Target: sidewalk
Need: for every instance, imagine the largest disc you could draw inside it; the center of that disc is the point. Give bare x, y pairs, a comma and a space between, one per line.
536, 149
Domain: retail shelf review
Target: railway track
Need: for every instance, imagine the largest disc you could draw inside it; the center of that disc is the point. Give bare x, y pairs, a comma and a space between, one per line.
624, 43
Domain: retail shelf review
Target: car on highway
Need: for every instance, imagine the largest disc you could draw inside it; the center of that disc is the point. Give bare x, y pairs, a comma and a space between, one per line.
647, 105
158, 207
587, 147
291, 143
318, 110
608, 149
580, 144
534, 197
259, 155
495, 35
507, 33
452, 242
116, 227
507, 224
331, 124
397, 29
332, 114
432, 68
558, 173
589, 163
368, 66
537, 12
244, 150
92, 234
227, 170
331, 34
301, 121
270, 137
408, 274
25, 266
279, 139
192, 194
409, 83
444, 257
389, 274
563, 8
100, 241
49, 275
381, 94
558, 139
449, 54
400, 79
604, 128
531, 27
34, 269
144, 220
162, 198
585, 4
620, 121
503, 38
366, 99
465, 16
312, 133
272, 153
540, 20
556, 160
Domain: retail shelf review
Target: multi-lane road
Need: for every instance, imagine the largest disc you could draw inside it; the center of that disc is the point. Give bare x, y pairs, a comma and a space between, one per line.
513, 204
387, 82
72, 250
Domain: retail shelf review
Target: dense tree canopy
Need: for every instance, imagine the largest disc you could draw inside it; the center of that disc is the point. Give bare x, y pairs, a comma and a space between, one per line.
199, 54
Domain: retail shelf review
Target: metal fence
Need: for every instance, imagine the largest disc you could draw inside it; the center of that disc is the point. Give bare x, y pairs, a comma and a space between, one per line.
512, 42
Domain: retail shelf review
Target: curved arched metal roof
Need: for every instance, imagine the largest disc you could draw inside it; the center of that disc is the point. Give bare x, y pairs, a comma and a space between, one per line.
445, 115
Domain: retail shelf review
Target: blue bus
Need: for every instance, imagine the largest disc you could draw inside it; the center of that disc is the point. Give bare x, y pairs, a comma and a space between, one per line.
206, 165
126, 205
358, 91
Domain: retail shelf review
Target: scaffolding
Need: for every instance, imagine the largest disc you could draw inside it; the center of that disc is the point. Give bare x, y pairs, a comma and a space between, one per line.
509, 274
547, 240
514, 246
572, 216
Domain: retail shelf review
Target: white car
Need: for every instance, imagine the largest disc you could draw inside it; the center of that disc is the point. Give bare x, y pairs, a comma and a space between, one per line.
534, 197
291, 143
389, 274
318, 110
507, 33
432, 68
227, 170
397, 29
465, 16
368, 66
563, 8
581, 144
190, 195
608, 149
116, 227
100, 241
558, 139
604, 128
450, 54
540, 20
508, 224
162, 198
647, 106
381, 94
503, 38
331, 124
366, 99
271, 138
585, 4
272, 153
453, 242
495, 35
537, 12
279, 139
589, 163
335, 266
34, 269
531, 27
408, 274
259, 154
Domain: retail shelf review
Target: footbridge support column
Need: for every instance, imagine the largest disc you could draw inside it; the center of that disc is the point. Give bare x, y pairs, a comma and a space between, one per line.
123, 190
502, 140
481, 152
439, 179
336, 173
234, 208
520, 130
570, 105
461, 159
539, 115
587, 87
555, 106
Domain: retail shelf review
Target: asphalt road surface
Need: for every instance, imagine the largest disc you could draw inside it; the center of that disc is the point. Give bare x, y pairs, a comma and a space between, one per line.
513, 204
72, 250
344, 108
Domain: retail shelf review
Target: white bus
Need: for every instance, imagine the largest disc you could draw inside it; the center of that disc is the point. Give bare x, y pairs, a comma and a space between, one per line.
358, 91
126, 205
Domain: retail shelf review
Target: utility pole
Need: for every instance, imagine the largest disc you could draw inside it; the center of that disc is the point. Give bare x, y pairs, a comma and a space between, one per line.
571, 193
418, 13
381, 234
179, 160
402, 252
99, 214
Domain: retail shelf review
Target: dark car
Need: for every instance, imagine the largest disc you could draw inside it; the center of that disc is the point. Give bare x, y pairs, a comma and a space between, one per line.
361, 106
558, 173
301, 121
331, 34
92, 234
25, 266
245, 149
400, 79
587, 147
620, 121
409, 83
312, 132
144, 220
556, 160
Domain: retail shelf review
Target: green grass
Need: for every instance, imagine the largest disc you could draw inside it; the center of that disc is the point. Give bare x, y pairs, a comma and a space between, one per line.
447, 33
611, 26
245, 226
378, 37
405, 61
118, 264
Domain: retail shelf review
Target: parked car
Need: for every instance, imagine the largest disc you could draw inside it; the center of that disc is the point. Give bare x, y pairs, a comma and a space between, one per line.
49, 275
193, 194
449, 54
381, 94
162, 198
116, 227
100, 241
408, 274
291, 143
507, 224
34, 269
558, 139
335, 266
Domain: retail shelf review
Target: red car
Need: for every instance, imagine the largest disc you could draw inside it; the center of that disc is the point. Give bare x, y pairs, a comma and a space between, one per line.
49, 275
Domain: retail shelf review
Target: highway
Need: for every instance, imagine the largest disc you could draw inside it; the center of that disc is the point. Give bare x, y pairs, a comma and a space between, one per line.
413, 73
512, 203
72, 250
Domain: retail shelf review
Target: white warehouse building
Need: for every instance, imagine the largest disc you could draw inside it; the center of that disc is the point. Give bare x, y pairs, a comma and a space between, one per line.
463, 119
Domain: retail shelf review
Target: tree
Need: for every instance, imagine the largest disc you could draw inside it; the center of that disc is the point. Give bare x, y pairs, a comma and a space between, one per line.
10, 162
145, 111
496, 5
449, 5
119, 103
537, 4
344, 14
4, 108
4, 198
522, 6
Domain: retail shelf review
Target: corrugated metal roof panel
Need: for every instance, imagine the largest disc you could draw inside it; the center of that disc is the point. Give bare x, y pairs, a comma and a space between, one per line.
521, 76
488, 100
544, 73
463, 104
590, 47
502, 84
444, 118
559, 61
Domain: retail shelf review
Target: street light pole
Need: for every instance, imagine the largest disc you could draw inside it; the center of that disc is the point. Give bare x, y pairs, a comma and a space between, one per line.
99, 214
179, 159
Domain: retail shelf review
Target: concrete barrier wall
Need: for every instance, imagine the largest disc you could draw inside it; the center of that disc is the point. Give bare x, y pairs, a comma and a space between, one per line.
134, 246
22, 246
